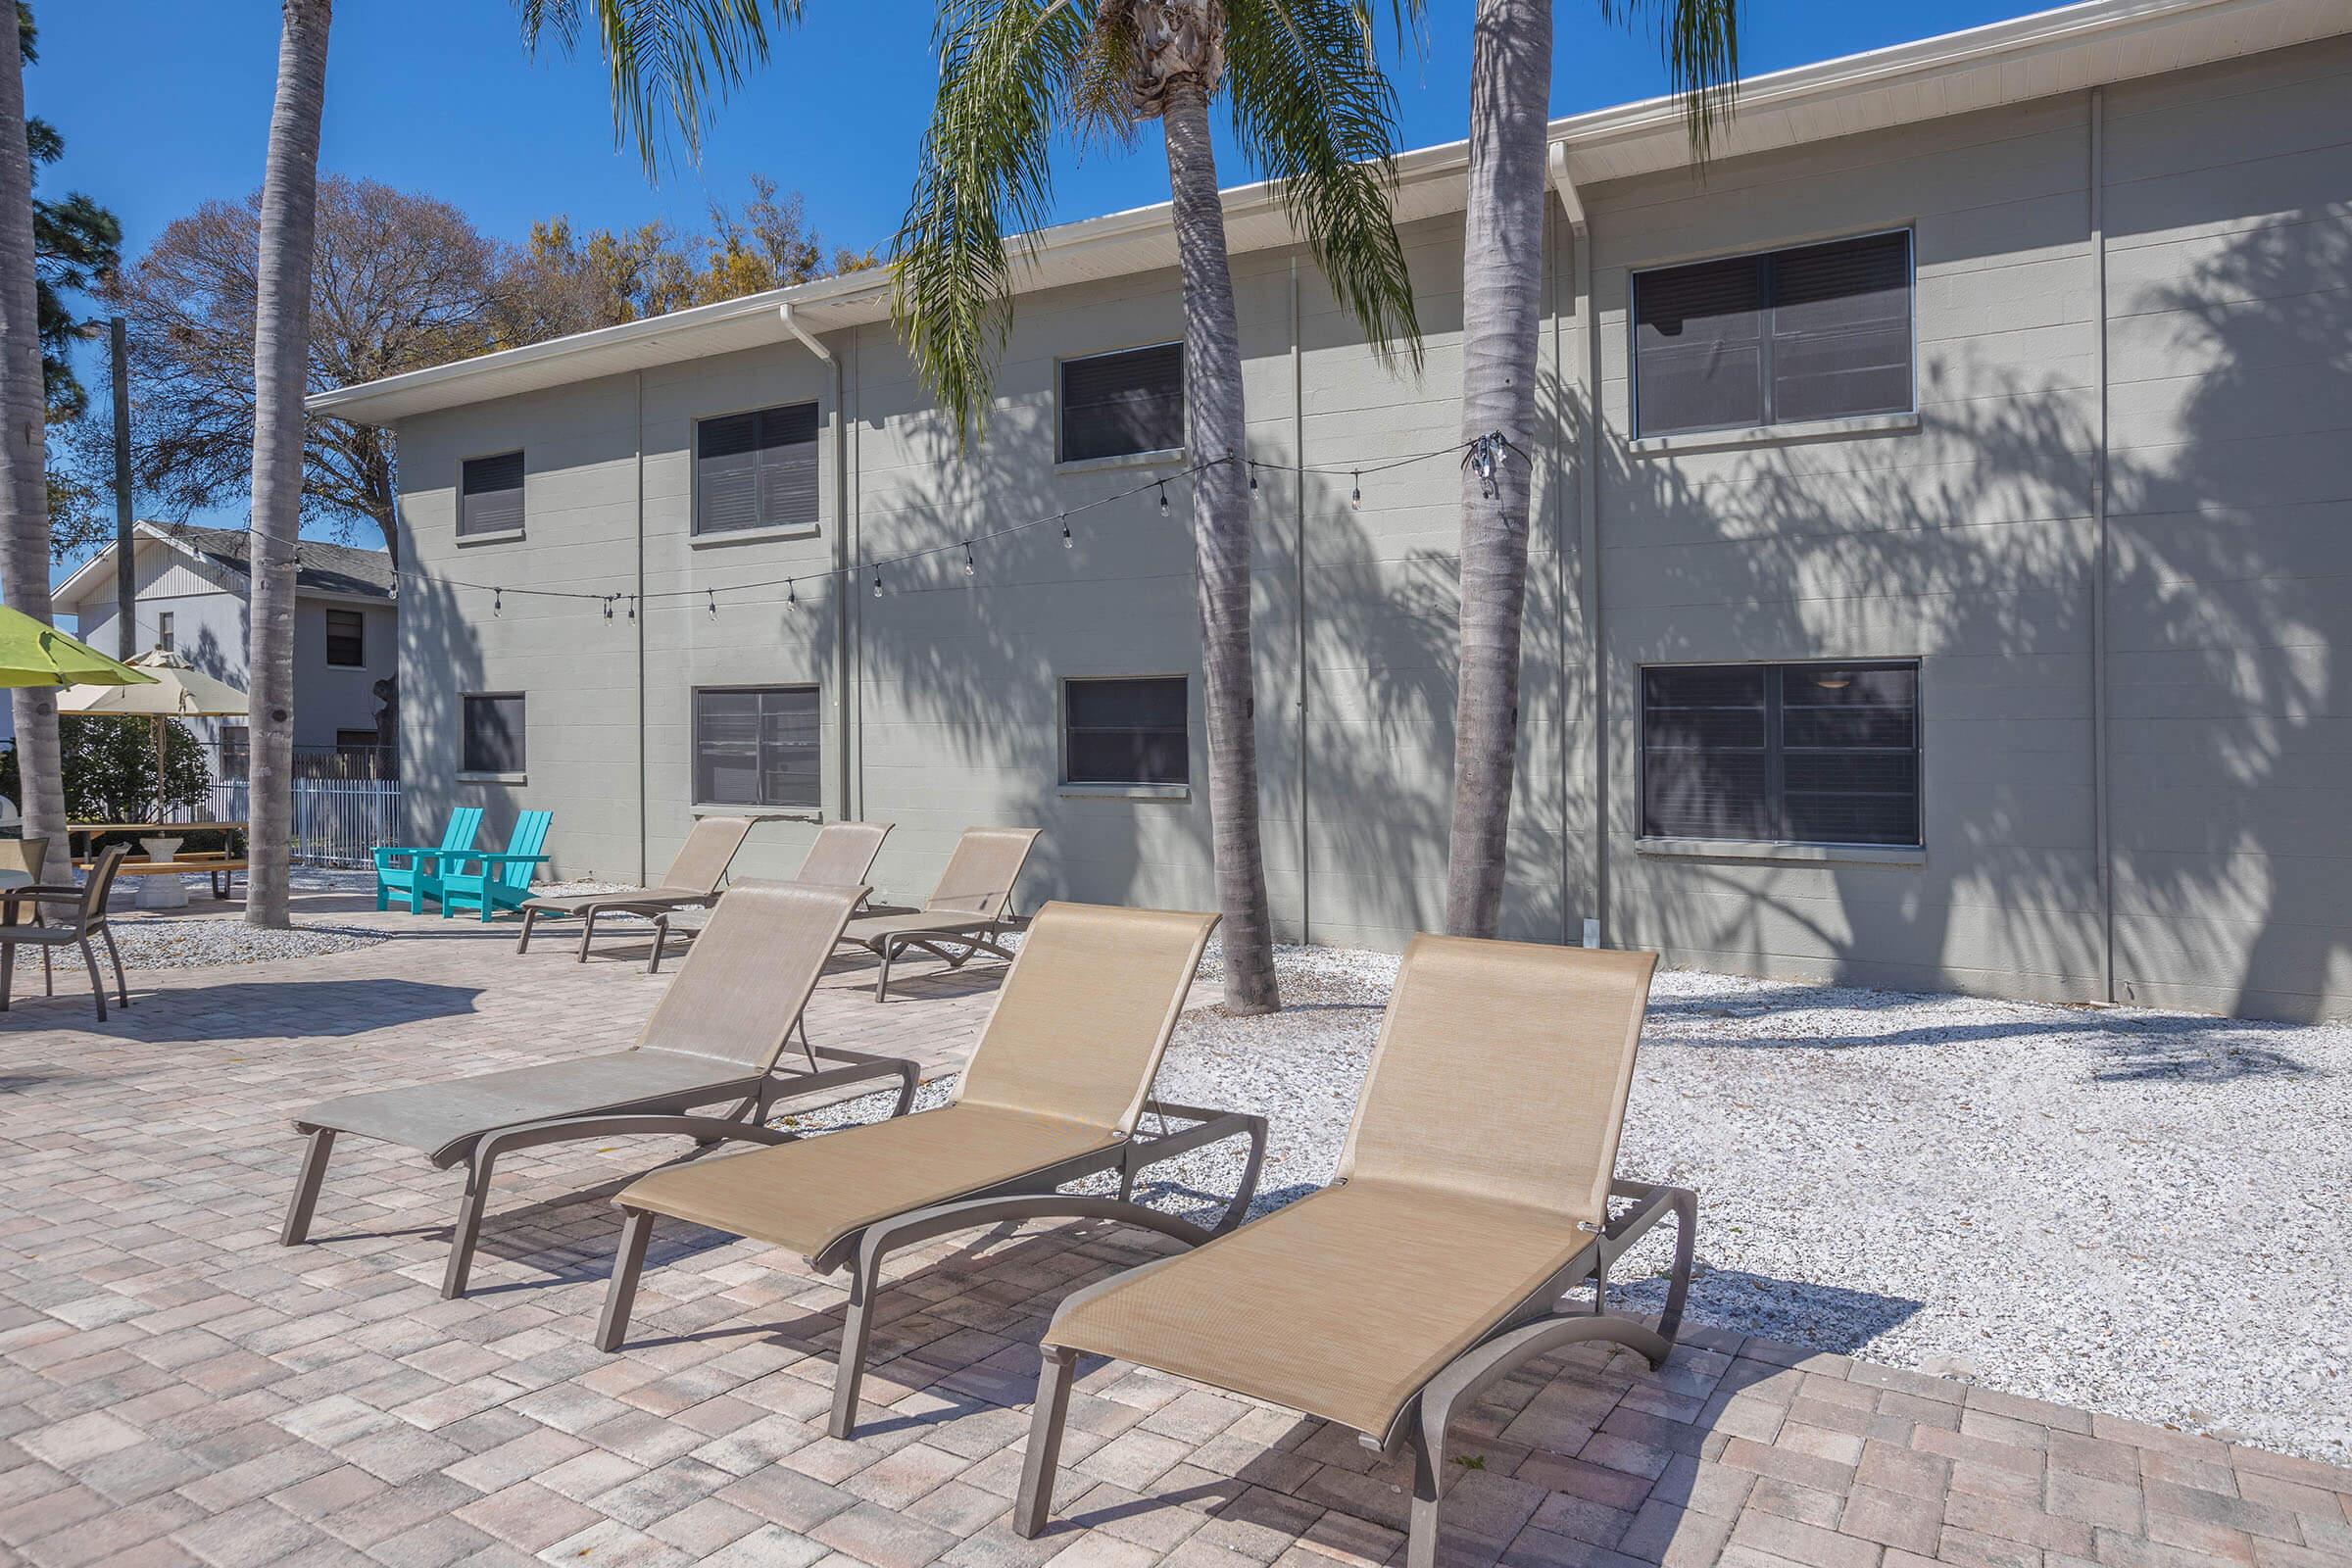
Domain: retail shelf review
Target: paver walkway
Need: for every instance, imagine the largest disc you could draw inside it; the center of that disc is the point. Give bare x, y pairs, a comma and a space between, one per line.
177, 1387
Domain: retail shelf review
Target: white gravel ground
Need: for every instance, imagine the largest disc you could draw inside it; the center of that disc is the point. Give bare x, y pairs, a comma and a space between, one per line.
196, 943
2138, 1213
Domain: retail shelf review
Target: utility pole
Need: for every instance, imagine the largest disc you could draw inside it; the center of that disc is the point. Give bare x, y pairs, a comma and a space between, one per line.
127, 588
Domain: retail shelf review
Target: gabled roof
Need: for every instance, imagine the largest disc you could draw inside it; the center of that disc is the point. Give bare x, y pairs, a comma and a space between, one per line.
2033, 57
319, 567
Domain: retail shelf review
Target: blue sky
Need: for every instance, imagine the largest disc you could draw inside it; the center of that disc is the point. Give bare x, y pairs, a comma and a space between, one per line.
165, 105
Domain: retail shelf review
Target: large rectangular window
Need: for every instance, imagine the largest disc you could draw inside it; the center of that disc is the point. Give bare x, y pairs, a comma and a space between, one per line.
493, 733
346, 639
756, 469
1126, 731
1808, 754
490, 495
757, 746
1117, 405
1813, 332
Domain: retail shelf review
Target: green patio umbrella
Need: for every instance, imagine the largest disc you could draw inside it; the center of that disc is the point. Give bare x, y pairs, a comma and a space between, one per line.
33, 654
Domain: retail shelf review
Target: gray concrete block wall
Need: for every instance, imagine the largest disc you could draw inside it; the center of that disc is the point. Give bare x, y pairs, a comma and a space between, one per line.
1971, 542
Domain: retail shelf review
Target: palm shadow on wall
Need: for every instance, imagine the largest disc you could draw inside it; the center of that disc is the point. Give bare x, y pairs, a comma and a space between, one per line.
1973, 542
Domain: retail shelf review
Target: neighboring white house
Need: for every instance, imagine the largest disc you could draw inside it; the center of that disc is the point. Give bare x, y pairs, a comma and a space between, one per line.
192, 587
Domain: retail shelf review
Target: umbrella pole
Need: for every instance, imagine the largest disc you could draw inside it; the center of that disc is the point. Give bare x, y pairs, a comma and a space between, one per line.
159, 768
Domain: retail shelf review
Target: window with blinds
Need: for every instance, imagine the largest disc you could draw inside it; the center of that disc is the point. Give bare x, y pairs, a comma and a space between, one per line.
346, 639
1813, 332
490, 495
1126, 731
756, 469
757, 746
1808, 754
493, 738
1117, 405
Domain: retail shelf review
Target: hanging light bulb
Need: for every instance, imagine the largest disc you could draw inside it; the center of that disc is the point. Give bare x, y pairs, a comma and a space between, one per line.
714, 593
1355, 497
1163, 498
608, 606
970, 566
1253, 478
877, 584
1066, 541
792, 600
632, 607
498, 600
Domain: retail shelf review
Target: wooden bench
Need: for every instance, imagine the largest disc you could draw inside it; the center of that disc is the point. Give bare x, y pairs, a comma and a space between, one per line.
219, 865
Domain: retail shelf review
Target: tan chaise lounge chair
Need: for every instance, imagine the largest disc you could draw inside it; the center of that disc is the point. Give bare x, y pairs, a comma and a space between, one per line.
970, 907
691, 883
842, 855
1054, 1091
714, 1036
1472, 1194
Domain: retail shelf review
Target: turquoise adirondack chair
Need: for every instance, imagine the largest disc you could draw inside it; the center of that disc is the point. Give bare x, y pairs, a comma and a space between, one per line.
416, 880
491, 882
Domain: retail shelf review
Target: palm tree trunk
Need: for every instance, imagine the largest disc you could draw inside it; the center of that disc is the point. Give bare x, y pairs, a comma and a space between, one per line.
1503, 277
280, 355
1221, 536
24, 479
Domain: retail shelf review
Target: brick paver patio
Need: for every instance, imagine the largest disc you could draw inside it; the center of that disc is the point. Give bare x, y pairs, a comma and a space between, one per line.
177, 1387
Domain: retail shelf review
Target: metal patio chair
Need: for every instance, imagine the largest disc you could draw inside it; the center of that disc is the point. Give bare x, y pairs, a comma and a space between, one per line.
969, 910
63, 915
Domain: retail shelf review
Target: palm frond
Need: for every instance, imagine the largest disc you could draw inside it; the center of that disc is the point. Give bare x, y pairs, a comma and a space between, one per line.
1007, 76
672, 61
1312, 111
1700, 41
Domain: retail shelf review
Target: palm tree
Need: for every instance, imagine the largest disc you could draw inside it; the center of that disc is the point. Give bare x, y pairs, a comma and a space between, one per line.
682, 54
1502, 272
23, 477
1310, 107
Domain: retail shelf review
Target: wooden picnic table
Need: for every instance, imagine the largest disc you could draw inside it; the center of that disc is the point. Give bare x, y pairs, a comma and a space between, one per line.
220, 866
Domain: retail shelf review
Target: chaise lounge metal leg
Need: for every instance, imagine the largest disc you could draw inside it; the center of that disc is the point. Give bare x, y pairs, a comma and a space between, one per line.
8, 973
306, 1187
1043, 1462
587, 931
882, 979
636, 1229
524, 943
469, 1228
856, 1333
653, 965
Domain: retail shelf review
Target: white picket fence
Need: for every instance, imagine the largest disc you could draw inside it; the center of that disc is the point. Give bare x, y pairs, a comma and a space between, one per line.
337, 822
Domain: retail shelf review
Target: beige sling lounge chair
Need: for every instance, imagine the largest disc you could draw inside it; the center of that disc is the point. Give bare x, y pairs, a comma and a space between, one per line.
714, 1036
1473, 1193
842, 855
968, 910
1054, 1092
691, 883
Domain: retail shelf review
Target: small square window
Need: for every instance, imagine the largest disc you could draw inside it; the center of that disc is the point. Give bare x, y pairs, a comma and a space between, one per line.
1803, 754
490, 495
757, 746
757, 469
346, 639
493, 742
1117, 405
1126, 731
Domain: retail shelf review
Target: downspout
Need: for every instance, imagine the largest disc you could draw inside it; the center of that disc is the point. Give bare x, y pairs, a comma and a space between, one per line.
639, 619
1307, 883
1588, 517
841, 561
2099, 770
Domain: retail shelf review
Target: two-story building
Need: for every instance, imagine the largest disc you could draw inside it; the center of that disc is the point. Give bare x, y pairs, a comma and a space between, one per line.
193, 588
1939, 562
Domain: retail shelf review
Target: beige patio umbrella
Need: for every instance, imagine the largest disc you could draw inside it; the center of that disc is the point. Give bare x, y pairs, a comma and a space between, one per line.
180, 690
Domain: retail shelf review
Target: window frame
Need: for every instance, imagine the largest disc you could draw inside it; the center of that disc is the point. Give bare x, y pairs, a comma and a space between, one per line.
1774, 752
492, 535
696, 533
241, 748
164, 630
1151, 789
1147, 455
361, 639
694, 748
522, 761
1653, 440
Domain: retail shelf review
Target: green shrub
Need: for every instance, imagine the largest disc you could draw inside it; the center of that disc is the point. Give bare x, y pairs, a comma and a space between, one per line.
110, 768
